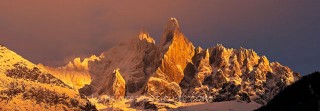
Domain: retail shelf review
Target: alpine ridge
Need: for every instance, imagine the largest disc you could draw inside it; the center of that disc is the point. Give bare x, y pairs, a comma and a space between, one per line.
75, 73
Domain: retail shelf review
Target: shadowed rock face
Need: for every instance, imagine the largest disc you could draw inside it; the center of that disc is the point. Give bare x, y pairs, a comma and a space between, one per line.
176, 68
137, 60
115, 87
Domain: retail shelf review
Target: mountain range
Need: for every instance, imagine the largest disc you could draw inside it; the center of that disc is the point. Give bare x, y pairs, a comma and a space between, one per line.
174, 71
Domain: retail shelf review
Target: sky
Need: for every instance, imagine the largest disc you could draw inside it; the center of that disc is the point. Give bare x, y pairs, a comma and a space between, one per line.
53, 32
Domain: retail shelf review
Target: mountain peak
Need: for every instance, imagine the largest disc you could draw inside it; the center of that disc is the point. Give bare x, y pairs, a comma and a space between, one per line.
171, 30
9, 57
172, 25
174, 21
143, 35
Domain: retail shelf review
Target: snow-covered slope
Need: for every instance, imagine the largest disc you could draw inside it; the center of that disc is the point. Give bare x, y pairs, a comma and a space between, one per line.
218, 106
8, 58
24, 87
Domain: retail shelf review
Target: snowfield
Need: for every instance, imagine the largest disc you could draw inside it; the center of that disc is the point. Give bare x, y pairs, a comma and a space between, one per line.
219, 106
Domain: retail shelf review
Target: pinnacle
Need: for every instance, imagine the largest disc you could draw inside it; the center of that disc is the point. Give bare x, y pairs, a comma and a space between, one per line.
170, 30
174, 20
172, 24
145, 36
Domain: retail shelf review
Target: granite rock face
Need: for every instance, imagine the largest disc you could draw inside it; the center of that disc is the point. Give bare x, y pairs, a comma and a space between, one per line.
176, 54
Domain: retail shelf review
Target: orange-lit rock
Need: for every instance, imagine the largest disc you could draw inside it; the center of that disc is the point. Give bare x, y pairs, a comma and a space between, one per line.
118, 89
75, 73
176, 52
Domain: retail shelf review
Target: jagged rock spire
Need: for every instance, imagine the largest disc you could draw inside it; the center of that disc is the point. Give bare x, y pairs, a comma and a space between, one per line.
118, 86
176, 53
172, 24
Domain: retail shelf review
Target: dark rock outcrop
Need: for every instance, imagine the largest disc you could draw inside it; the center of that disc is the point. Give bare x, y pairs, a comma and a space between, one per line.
303, 95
